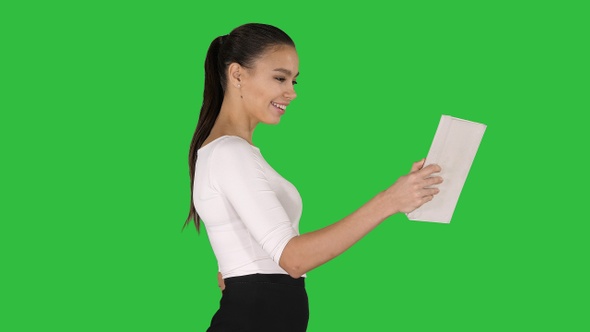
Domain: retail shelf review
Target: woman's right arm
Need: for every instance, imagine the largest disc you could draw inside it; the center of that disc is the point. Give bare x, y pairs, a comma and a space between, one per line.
308, 251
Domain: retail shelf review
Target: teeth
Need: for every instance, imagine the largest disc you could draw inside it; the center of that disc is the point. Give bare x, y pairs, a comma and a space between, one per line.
283, 107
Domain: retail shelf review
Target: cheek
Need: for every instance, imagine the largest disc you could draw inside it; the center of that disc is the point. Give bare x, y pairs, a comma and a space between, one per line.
261, 94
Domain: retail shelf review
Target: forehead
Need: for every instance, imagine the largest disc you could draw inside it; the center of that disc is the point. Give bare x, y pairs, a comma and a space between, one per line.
278, 57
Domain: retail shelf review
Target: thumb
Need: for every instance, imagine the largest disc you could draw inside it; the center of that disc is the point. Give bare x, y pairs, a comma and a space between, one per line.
418, 165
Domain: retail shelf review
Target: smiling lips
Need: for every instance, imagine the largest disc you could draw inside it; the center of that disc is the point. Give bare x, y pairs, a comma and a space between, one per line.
281, 106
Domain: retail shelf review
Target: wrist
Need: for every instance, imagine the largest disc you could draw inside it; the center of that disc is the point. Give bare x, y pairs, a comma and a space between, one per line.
386, 205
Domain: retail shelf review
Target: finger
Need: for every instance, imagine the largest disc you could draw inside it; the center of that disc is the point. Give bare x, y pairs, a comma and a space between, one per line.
433, 180
430, 169
427, 198
431, 191
418, 165
428, 192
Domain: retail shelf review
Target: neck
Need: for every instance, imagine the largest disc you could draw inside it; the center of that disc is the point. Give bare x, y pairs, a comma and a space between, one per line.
234, 120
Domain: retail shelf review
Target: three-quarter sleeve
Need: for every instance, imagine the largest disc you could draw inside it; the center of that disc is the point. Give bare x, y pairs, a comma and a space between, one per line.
238, 174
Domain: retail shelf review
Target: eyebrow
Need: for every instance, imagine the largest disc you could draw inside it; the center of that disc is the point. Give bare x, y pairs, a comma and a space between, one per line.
285, 71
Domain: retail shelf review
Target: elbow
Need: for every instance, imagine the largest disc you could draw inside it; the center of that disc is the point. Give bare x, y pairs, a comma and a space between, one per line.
292, 267
291, 263
294, 271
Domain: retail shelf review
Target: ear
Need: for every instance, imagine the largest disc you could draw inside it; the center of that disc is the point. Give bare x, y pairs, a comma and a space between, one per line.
234, 74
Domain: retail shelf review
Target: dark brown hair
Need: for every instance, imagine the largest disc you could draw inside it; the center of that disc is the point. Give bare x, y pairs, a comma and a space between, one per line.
243, 46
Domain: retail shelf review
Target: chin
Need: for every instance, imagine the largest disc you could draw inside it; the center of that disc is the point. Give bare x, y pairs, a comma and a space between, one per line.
271, 120
277, 121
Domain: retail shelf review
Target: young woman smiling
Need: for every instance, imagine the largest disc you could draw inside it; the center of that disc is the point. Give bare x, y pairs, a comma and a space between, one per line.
252, 213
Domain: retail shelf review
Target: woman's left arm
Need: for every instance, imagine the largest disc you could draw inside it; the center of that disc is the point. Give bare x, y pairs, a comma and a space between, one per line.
220, 281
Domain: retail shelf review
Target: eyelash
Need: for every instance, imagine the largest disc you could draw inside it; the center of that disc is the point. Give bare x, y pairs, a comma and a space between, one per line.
282, 79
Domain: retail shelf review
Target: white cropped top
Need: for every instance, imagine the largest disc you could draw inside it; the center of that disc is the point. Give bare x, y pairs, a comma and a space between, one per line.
250, 212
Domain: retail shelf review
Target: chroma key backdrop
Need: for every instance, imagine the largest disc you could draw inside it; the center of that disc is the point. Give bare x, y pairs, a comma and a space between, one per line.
99, 102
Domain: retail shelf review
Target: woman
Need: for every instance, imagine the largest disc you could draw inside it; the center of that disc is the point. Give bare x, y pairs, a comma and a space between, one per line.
250, 211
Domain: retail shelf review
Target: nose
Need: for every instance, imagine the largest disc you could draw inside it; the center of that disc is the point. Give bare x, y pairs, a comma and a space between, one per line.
290, 93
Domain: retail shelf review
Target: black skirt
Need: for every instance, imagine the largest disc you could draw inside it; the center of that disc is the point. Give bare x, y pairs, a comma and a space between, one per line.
262, 302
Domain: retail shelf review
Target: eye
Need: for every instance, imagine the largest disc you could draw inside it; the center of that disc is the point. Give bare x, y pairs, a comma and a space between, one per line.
282, 79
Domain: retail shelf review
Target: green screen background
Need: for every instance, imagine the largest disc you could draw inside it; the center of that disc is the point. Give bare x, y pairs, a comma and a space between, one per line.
99, 101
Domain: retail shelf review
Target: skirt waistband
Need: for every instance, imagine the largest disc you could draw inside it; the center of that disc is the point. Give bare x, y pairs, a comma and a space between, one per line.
284, 279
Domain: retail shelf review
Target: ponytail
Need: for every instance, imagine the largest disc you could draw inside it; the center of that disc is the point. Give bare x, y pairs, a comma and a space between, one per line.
243, 45
212, 98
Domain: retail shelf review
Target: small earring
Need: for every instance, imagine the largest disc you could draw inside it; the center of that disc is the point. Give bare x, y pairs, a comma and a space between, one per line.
238, 85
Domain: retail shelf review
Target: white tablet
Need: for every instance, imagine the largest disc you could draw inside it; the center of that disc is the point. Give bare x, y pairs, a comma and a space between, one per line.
454, 147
